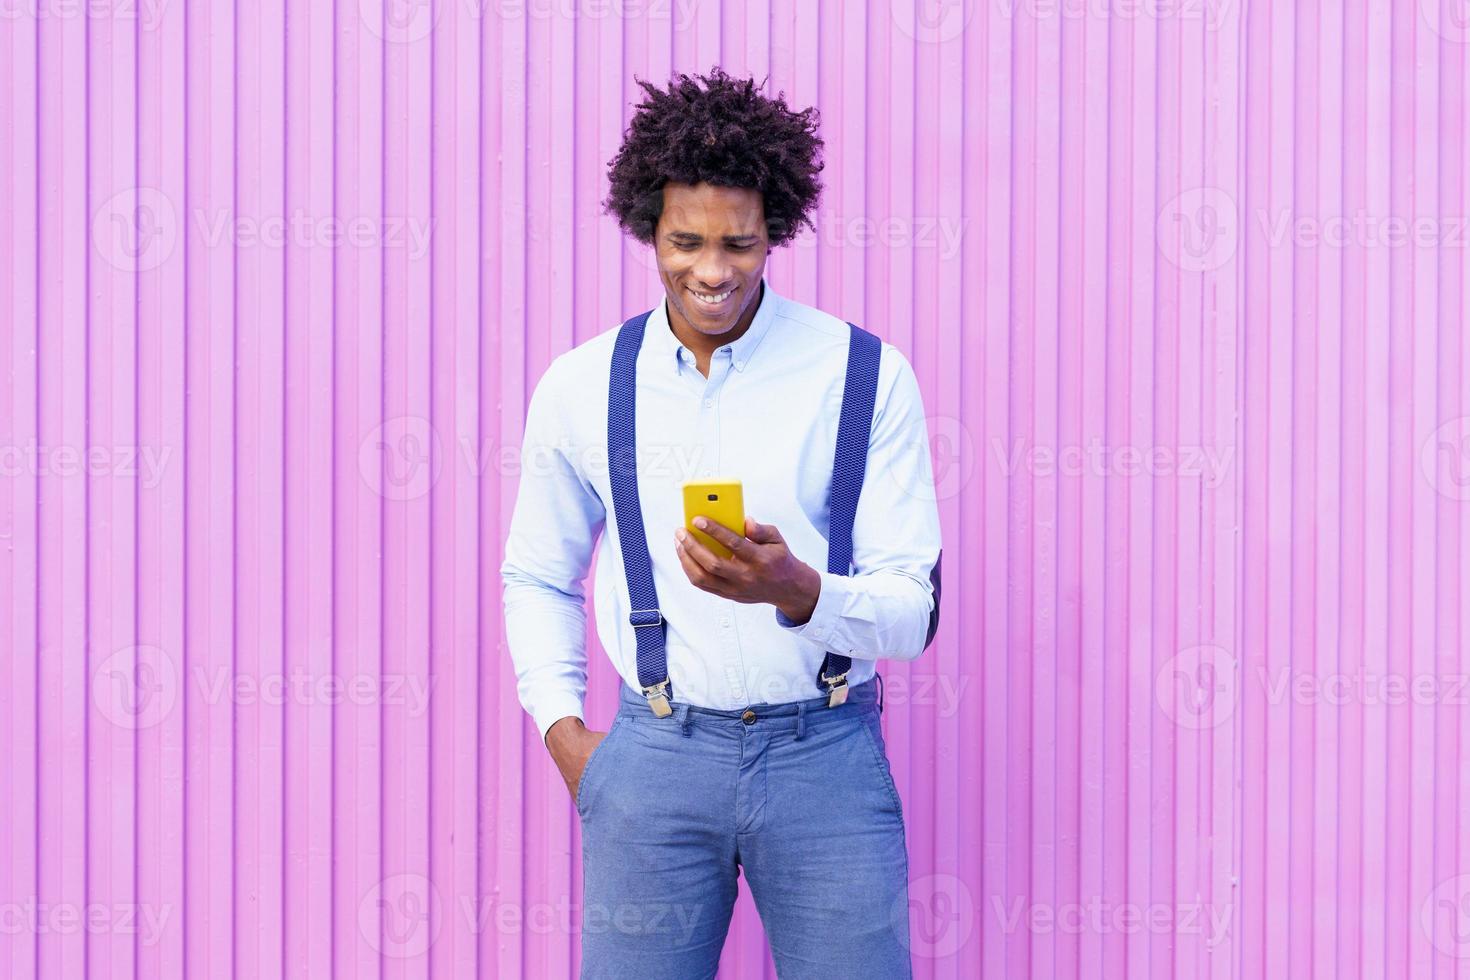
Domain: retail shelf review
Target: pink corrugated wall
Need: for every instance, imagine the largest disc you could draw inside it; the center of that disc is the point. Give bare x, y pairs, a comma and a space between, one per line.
1183, 282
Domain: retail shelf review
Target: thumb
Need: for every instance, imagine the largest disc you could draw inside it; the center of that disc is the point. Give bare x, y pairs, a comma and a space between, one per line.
761, 533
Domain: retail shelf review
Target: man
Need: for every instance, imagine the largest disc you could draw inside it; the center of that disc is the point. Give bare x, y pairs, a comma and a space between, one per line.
748, 732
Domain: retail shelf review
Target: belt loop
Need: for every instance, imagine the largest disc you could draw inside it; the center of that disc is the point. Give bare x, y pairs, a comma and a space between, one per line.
800, 720
880, 692
681, 715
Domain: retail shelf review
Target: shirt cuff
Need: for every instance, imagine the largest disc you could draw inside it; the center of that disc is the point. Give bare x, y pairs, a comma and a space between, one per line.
831, 600
553, 708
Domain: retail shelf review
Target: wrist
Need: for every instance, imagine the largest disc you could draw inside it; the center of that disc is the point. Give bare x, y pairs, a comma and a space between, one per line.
803, 603
562, 729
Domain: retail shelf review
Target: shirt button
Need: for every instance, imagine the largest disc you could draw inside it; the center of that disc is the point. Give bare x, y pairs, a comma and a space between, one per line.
709, 402
748, 717
724, 620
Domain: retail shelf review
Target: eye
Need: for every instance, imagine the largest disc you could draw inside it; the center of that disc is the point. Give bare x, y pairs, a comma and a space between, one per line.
686, 246
741, 248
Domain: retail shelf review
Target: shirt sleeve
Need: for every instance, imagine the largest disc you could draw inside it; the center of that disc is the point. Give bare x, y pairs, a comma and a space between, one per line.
882, 610
553, 530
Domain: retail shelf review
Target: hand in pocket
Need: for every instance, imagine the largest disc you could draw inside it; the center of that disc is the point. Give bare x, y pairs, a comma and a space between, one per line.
571, 745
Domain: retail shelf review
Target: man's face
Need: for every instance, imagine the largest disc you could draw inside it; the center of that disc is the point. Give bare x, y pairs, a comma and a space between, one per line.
711, 244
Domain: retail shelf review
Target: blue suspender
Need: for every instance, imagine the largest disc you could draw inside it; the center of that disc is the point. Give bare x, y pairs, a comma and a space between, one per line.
848, 468
622, 440
853, 432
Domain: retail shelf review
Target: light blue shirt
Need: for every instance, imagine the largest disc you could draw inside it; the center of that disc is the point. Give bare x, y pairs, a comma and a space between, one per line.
767, 416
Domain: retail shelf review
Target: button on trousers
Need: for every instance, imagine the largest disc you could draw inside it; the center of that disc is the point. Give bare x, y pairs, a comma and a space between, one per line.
797, 797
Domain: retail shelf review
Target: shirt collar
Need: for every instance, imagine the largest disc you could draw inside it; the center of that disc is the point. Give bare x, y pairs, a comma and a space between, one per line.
659, 336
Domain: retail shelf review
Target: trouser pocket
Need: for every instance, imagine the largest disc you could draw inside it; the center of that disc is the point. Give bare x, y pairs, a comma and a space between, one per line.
873, 733
585, 787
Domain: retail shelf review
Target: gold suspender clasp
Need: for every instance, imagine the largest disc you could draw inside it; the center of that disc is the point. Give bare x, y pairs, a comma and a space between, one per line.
837, 689
658, 698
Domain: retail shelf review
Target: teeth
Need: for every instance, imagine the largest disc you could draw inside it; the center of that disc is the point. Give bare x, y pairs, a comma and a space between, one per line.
713, 300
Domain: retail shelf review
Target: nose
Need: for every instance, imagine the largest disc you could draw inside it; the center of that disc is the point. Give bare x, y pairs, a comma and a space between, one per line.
710, 272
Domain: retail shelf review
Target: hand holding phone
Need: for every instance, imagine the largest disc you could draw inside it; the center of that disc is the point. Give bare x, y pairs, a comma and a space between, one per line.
721, 501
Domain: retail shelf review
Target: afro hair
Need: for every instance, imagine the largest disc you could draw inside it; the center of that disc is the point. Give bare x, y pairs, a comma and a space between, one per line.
721, 130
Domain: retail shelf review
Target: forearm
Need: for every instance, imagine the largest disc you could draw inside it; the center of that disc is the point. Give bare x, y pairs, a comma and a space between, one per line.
879, 615
547, 634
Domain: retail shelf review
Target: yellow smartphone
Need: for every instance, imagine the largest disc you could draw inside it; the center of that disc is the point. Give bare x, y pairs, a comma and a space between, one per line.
718, 500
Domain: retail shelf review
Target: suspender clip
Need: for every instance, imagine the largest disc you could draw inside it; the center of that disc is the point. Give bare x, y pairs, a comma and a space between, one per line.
658, 698
837, 689
645, 617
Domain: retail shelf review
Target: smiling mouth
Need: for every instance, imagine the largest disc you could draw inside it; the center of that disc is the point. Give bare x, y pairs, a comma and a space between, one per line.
712, 299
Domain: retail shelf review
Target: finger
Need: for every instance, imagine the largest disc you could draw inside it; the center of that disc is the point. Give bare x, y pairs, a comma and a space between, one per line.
707, 561
692, 568
720, 533
696, 573
761, 533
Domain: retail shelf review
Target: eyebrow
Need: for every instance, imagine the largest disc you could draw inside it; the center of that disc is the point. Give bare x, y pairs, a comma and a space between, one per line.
697, 237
